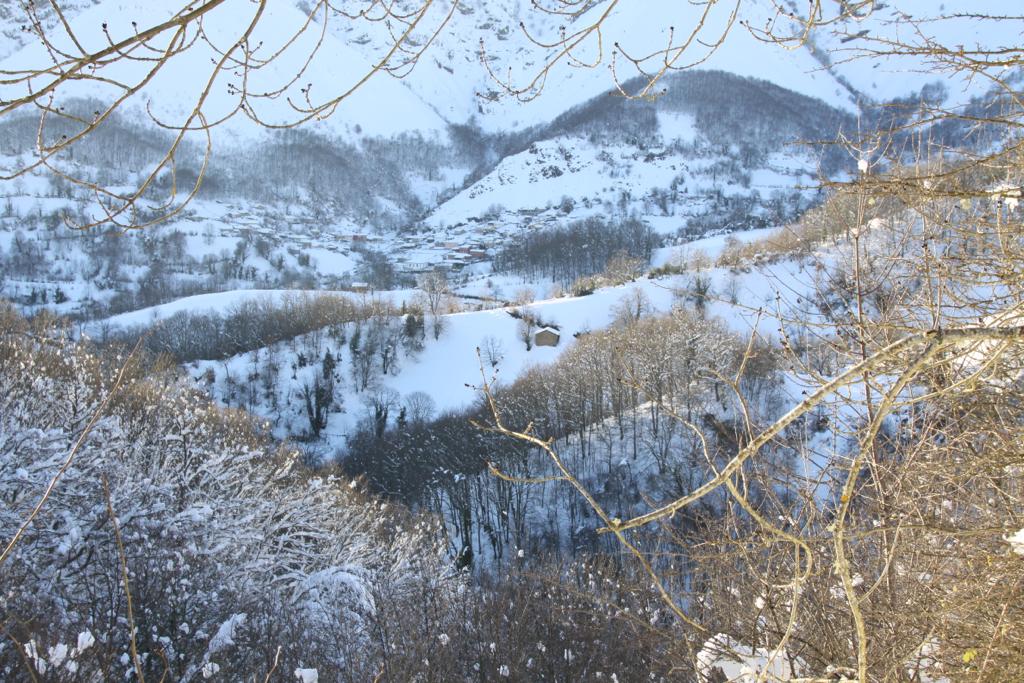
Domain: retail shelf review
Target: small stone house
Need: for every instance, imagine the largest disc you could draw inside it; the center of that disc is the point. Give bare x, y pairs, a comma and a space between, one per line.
546, 336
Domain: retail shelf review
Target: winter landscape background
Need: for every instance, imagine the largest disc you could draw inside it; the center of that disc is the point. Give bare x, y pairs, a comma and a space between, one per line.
501, 366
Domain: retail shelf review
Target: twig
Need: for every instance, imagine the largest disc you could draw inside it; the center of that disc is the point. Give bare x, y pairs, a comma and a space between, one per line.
123, 560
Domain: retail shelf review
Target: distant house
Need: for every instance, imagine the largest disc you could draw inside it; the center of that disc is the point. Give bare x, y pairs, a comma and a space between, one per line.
360, 287
546, 336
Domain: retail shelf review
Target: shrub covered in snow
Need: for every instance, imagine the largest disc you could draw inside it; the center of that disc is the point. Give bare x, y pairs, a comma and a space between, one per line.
226, 546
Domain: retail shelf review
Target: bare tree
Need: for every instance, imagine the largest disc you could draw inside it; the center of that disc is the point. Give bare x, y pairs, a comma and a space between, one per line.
491, 350
121, 66
317, 396
582, 39
437, 298
633, 305
379, 403
420, 407
906, 442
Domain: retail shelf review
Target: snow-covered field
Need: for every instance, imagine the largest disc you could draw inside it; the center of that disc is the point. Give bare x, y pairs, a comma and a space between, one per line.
448, 369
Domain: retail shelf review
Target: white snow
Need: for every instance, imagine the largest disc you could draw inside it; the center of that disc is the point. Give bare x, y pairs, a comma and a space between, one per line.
225, 636
885, 76
741, 663
58, 653
1016, 542
176, 87
710, 246
452, 74
217, 302
85, 641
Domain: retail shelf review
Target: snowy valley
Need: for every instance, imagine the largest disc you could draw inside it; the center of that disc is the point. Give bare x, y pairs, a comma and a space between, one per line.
421, 341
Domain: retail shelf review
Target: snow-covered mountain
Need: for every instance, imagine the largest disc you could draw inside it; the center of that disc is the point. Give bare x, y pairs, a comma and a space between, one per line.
286, 54
513, 41
509, 37
865, 54
450, 83
437, 161
15, 21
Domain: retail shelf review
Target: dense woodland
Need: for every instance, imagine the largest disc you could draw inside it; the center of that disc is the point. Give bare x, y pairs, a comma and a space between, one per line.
613, 404
577, 250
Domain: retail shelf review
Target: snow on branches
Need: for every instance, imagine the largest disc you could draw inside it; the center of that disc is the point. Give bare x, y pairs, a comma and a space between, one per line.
227, 547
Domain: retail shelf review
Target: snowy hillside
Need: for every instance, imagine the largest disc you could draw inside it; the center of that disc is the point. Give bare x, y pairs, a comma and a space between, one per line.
406, 158
270, 381
358, 202
453, 78
511, 36
882, 76
14, 21
446, 369
276, 91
